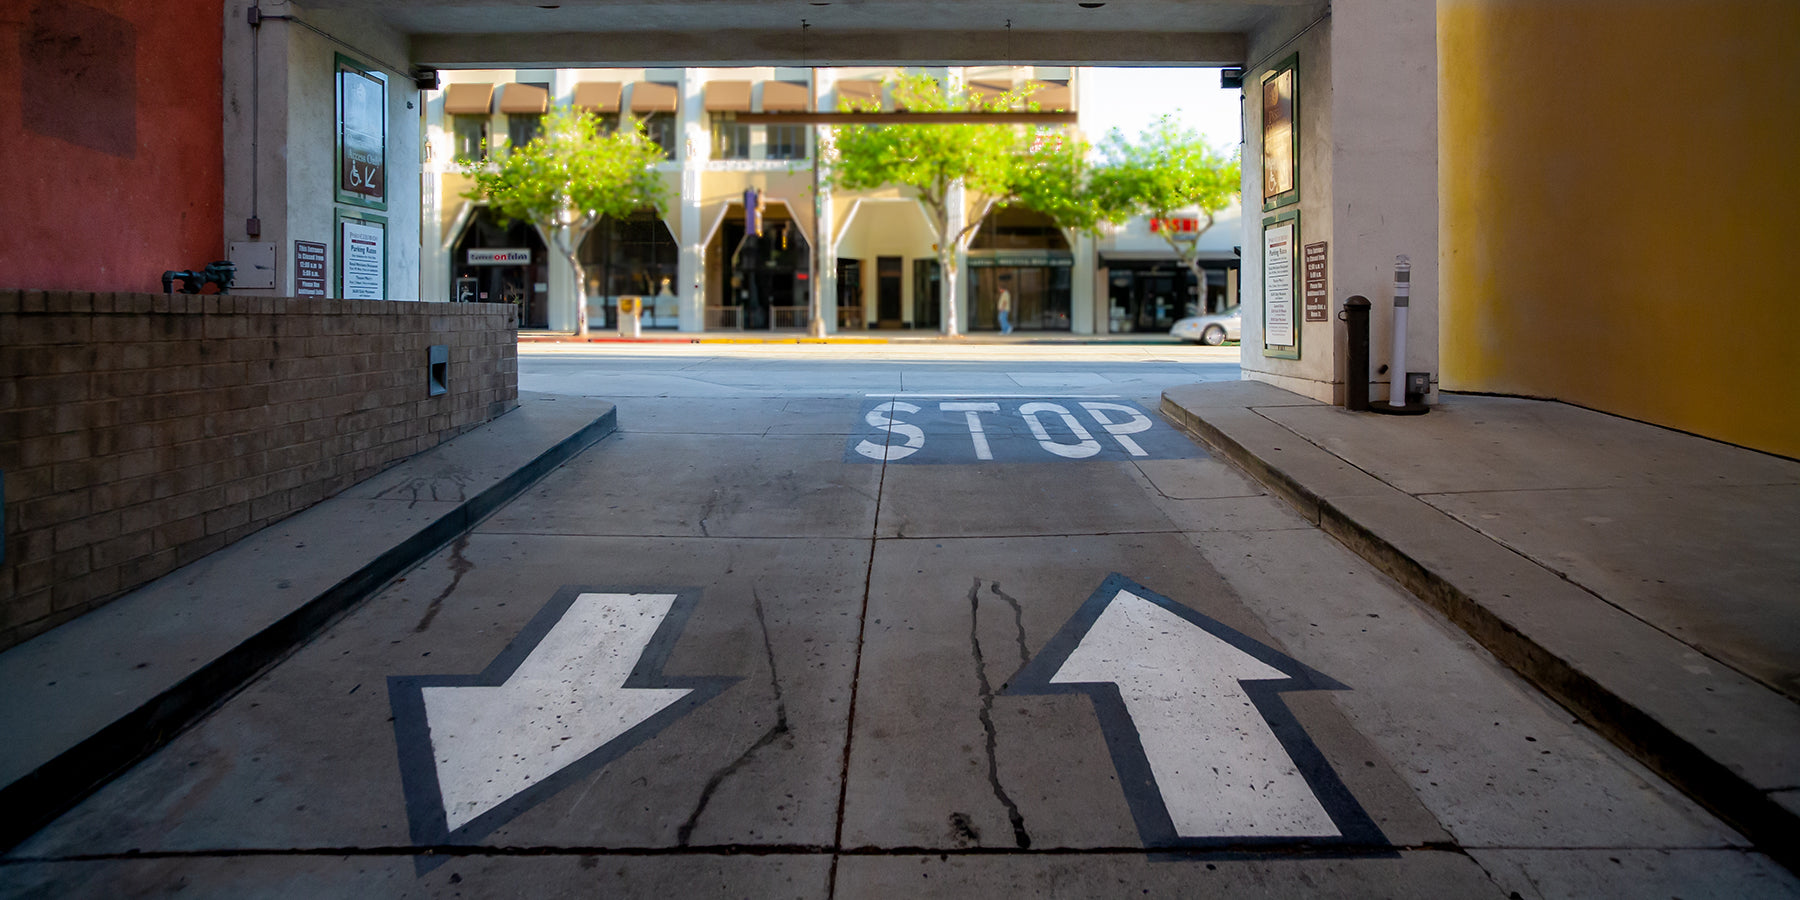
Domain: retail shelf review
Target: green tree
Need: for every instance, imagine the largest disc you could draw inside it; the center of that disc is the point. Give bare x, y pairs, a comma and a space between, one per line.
1169, 169
573, 174
993, 164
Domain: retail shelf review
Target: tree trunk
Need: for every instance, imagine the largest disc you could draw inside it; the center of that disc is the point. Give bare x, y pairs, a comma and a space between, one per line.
1199, 271
947, 278
948, 323
563, 239
816, 299
581, 314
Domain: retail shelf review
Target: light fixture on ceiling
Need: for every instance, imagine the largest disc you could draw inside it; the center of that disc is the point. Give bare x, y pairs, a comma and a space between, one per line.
1090, 5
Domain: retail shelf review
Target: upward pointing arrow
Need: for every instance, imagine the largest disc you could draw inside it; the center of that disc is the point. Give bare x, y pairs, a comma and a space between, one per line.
581, 685
1220, 768
1206, 752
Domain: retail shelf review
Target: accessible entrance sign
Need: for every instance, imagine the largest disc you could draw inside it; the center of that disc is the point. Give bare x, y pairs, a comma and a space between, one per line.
970, 429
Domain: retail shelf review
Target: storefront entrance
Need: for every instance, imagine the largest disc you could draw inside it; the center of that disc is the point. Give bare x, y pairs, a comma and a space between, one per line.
632, 257
1025, 254
1148, 296
491, 264
927, 305
1040, 296
762, 283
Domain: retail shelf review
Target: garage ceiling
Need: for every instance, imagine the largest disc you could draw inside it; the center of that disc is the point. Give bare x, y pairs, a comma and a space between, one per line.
841, 32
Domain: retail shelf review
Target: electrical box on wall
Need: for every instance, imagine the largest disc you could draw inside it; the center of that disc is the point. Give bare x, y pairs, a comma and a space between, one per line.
255, 261
437, 370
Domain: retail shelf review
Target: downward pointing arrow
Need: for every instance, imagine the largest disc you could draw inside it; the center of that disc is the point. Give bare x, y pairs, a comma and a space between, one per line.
567, 700
581, 685
1207, 753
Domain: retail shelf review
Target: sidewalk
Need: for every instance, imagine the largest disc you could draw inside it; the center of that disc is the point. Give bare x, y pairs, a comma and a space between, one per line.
92, 697
1645, 579
607, 336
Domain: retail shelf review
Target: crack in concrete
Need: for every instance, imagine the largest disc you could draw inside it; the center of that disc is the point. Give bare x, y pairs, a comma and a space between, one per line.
774, 733
1020, 835
459, 566
707, 512
414, 489
1018, 622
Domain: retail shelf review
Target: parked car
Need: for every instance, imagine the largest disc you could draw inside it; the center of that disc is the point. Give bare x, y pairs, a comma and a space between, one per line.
1210, 330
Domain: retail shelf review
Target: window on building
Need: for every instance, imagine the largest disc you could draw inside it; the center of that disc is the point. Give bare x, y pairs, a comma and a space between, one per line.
660, 127
787, 142
471, 137
730, 138
521, 128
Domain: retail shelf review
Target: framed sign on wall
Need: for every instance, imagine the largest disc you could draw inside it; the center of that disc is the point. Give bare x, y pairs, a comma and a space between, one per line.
1281, 238
361, 135
362, 257
1281, 135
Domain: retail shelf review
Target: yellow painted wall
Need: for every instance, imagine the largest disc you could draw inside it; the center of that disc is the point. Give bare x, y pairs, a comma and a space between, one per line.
1620, 208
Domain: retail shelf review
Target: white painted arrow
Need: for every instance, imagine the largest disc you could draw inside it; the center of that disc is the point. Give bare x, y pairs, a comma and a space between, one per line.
1221, 770
566, 700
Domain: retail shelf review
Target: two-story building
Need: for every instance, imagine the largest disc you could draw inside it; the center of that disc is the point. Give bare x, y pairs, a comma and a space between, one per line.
689, 264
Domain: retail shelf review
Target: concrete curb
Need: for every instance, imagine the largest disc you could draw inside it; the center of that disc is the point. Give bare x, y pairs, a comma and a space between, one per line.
56, 786
1713, 783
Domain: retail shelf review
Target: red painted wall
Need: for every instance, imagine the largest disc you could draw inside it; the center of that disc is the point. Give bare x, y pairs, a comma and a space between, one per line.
111, 141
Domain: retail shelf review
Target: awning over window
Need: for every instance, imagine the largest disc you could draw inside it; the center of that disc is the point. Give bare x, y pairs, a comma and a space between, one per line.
599, 96
988, 90
858, 92
652, 96
468, 99
524, 99
1052, 96
785, 96
726, 96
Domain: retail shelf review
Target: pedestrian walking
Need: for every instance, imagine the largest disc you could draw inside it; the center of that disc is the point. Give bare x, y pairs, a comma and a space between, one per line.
1005, 307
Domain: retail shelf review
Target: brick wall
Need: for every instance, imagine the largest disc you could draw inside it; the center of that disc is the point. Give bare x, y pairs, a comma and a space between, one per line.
140, 432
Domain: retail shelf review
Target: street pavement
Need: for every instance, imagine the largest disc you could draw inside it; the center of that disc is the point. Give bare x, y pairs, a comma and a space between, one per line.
880, 621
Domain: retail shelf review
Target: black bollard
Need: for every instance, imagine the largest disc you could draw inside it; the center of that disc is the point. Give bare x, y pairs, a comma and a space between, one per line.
1356, 357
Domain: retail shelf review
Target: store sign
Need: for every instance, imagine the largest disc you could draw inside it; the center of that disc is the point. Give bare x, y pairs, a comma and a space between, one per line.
511, 256
1025, 259
1174, 226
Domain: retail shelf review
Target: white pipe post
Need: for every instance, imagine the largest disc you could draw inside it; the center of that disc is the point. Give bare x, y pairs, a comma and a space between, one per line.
1397, 362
